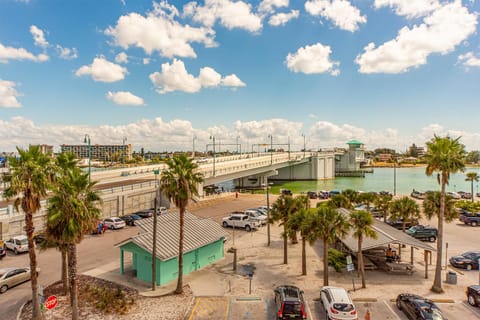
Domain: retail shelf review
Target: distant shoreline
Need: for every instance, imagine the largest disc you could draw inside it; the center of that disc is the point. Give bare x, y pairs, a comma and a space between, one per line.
408, 165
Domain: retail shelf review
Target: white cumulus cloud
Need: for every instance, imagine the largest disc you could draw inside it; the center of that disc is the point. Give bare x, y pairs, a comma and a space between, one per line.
230, 14
341, 12
158, 31
38, 36
175, 77
8, 95
313, 59
103, 70
122, 57
281, 18
67, 53
10, 53
409, 8
469, 60
269, 5
440, 32
125, 98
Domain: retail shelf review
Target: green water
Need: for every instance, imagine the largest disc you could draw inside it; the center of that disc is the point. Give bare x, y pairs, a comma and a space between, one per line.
382, 179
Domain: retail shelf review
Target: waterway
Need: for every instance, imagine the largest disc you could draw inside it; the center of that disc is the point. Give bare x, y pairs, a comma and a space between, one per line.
382, 179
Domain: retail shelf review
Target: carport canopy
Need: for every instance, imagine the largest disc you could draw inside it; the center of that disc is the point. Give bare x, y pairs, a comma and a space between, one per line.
386, 235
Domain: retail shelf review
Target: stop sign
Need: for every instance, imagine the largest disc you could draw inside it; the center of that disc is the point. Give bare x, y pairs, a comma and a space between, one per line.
51, 302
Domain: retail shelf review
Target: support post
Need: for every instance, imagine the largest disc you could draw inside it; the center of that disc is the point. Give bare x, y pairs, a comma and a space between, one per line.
425, 260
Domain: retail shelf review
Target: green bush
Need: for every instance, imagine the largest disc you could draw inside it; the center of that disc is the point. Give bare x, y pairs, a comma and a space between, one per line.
337, 259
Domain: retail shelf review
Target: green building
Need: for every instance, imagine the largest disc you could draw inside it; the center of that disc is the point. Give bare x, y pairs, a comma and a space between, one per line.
203, 245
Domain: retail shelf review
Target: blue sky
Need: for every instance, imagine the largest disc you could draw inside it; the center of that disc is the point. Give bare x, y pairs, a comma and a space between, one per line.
387, 72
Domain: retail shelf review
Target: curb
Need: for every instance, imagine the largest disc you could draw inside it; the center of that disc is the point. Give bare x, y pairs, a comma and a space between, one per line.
438, 300
248, 299
365, 300
21, 309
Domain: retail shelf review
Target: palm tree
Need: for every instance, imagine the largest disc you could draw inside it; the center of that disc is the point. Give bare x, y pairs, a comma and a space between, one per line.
383, 204
472, 177
72, 212
179, 183
327, 224
351, 195
302, 202
431, 206
367, 198
444, 156
282, 209
49, 243
406, 210
339, 201
301, 222
361, 223
28, 182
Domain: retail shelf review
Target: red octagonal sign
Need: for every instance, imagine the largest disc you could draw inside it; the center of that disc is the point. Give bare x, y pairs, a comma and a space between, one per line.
51, 302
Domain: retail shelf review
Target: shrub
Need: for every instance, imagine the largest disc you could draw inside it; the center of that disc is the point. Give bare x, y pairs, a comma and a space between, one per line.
337, 259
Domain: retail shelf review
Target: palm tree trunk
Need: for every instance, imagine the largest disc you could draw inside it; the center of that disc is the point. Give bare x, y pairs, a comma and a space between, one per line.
72, 274
36, 313
179, 289
472, 190
361, 268
285, 243
304, 257
64, 271
325, 262
437, 282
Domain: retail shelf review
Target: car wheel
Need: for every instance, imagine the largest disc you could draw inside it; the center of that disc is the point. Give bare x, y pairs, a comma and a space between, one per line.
432, 239
471, 300
399, 306
224, 224
15, 250
112, 227
248, 228
474, 223
3, 288
468, 267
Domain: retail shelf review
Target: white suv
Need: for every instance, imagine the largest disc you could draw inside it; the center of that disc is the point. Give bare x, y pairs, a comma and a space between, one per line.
17, 244
338, 304
240, 220
256, 216
114, 223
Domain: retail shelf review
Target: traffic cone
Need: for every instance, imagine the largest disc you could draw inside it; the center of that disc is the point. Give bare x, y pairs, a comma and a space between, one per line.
367, 315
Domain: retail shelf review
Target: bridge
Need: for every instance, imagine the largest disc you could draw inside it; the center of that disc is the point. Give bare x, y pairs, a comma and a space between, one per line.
136, 186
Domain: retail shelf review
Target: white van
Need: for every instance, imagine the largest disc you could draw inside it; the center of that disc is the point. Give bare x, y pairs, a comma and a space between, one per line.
337, 303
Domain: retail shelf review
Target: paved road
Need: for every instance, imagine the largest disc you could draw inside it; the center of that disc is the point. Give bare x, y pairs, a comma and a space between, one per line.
93, 252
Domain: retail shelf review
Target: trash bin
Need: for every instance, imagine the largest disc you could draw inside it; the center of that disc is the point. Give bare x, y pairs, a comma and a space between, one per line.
452, 277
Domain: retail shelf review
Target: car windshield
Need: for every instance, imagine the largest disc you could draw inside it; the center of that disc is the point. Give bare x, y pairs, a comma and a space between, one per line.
292, 308
432, 312
23, 241
344, 307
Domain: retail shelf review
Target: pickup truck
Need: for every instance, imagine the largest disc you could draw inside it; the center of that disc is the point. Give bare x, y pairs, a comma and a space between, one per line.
240, 220
423, 232
473, 220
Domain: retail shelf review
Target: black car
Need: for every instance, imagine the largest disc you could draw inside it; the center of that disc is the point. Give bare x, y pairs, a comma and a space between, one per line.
312, 194
289, 303
144, 213
423, 232
418, 308
467, 260
473, 295
130, 219
286, 192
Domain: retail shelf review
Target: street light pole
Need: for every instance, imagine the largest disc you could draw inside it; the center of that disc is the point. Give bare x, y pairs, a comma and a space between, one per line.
394, 174
213, 138
268, 215
238, 137
123, 149
303, 135
271, 148
154, 236
86, 139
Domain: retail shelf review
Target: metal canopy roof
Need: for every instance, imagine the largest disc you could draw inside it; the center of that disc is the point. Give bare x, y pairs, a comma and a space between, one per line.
386, 235
198, 232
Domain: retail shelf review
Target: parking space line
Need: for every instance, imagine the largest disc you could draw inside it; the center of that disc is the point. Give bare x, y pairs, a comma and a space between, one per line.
471, 309
390, 308
309, 311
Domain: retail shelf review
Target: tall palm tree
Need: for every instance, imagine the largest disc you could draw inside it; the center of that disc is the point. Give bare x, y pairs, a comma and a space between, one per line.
28, 182
431, 206
72, 213
301, 222
444, 156
383, 203
339, 201
351, 195
284, 207
327, 224
406, 210
472, 177
179, 183
361, 223
302, 202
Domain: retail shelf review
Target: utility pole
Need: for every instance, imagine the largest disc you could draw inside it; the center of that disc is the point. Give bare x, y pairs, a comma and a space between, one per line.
154, 244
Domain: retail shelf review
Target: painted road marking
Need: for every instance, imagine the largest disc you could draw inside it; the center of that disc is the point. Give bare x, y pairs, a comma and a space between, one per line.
207, 308
390, 308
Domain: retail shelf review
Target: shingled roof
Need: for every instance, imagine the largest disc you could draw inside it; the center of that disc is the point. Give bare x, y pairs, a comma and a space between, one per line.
198, 232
